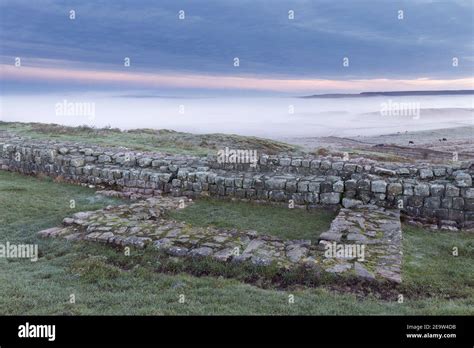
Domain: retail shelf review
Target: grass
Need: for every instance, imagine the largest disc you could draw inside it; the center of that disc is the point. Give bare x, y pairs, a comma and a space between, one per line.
265, 219
105, 281
431, 266
163, 140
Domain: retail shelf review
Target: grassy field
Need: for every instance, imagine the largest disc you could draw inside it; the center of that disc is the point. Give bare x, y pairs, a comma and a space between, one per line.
104, 281
265, 219
161, 140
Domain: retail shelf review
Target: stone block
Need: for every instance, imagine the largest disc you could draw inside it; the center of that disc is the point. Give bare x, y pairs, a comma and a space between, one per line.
426, 173
395, 189
422, 190
379, 186
452, 191
330, 198
462, 179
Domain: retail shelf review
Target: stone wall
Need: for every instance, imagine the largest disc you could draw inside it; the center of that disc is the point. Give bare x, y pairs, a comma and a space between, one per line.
440, 194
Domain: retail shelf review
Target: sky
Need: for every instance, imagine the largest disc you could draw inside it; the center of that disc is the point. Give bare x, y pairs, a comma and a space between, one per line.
196, 55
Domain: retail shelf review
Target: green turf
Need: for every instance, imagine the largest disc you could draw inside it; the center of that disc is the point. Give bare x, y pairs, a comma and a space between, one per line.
105, 281
163, 140
265, 219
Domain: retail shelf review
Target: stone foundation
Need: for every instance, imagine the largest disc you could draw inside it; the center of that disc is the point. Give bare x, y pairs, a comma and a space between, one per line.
145, 224
440, 195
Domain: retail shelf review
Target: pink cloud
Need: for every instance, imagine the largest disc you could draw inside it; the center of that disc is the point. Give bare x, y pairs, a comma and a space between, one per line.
144, 79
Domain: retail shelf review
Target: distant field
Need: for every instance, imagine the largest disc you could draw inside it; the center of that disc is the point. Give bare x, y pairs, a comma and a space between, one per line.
162, 140
106, 282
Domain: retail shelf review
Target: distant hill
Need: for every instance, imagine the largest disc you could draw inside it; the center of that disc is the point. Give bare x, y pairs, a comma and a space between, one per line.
390, 94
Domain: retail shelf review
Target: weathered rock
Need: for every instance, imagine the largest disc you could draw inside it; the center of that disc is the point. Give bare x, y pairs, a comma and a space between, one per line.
437, 190
330, 198
452, 191
468, 193
330, 236
203, 251
77, 162
349, 203
379, 186
462, 179
426, 173
422, 190
338, 186
177, 251
395, 189
362, 272
339, 268
296, 253
104, 158
144, 162
225, 254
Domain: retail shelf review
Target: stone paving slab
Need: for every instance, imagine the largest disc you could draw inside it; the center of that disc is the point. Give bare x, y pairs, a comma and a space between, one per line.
373, 230
145, 224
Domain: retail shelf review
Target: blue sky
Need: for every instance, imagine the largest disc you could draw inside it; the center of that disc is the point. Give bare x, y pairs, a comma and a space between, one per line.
384, 52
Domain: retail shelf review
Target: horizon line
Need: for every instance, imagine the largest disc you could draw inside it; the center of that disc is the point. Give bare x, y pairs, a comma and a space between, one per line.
227, 82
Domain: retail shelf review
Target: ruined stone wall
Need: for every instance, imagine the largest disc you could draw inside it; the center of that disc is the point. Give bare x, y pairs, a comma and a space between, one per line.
441, 193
